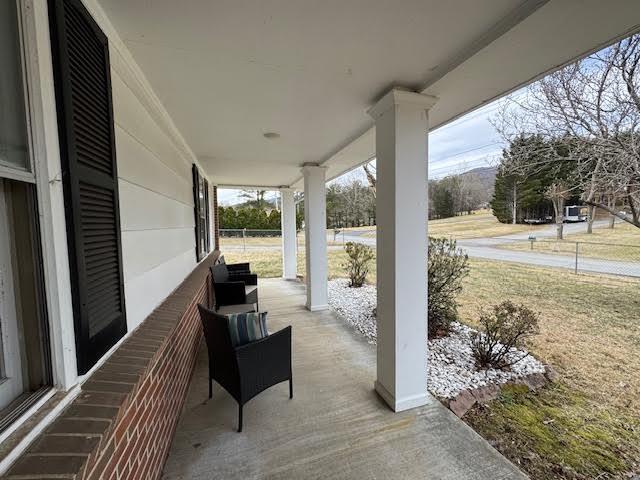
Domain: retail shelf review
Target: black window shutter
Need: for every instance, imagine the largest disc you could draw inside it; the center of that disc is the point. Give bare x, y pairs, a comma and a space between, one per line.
201, 213
196, 210
207, 218
87, 140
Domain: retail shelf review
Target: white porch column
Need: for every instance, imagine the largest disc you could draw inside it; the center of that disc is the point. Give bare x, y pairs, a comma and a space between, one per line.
288, 225
401, 213
315, 233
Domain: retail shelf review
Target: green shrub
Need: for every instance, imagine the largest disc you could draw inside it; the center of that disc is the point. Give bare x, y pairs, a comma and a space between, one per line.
447, 267
505, 327
252, 218
358, 262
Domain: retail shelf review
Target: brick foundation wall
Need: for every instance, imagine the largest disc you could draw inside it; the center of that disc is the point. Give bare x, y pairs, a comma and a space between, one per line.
122, 423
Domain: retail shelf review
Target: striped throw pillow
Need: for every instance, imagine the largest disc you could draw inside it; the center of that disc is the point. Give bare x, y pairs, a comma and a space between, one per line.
247, 327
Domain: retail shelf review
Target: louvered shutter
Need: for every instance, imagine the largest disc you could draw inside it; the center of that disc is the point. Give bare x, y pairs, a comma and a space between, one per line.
196, 210
85, 119
201, 213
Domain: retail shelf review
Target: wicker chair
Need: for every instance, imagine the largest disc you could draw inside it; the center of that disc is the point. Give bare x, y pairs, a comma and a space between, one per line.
233, 285
246, 370
235, 268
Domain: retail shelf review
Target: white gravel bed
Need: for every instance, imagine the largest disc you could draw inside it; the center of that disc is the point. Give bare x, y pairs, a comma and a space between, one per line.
355, 305
450, 360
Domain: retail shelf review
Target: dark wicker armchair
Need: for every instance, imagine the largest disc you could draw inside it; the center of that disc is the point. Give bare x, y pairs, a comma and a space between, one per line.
235, 268
233, 285
249, 369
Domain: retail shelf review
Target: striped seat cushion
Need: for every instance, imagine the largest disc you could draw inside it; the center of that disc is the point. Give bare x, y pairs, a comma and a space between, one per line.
247, 327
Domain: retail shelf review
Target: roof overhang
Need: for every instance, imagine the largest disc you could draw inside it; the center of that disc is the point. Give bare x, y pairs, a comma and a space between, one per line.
228, 72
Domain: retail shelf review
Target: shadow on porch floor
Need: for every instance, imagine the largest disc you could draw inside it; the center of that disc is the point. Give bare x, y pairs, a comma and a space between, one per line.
336, 427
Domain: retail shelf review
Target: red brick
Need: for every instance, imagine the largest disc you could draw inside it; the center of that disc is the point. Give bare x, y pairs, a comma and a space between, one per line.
137, 395
101, 398
67, 444
33, 464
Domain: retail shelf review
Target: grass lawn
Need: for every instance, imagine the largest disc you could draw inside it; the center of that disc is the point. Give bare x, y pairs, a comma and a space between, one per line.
621, 243
479, 224
586, 424
589, 422
268, 263
268, 241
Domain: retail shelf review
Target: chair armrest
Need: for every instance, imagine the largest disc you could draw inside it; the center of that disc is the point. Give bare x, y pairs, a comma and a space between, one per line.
234, 268
229, 293
264, 363
248, 278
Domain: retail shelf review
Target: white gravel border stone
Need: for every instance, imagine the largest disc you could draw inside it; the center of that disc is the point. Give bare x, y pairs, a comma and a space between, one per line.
451, 364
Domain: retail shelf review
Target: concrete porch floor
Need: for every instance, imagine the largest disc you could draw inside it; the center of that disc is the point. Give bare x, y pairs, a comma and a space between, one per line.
336, 427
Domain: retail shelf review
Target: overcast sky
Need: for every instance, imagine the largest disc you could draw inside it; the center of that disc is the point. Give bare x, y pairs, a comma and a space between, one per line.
469, 142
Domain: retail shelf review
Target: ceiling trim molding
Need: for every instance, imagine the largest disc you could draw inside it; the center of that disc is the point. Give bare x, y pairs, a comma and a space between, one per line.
502, 26
627, 33
268, 188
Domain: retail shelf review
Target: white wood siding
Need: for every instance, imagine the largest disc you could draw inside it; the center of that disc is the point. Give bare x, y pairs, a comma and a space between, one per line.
156, 206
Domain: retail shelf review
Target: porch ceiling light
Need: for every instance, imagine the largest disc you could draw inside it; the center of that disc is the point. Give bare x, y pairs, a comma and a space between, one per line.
271, 135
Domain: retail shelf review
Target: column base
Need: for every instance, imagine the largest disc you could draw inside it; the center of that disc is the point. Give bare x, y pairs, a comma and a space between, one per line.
317, 308
401, 404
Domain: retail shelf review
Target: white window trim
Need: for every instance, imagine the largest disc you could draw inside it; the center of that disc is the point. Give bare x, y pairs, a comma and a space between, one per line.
45, 158
16, 174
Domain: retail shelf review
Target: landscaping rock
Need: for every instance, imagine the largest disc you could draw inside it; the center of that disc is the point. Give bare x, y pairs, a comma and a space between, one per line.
451, 365
551, 374
355, 305
462, 403
535, 381
486, 394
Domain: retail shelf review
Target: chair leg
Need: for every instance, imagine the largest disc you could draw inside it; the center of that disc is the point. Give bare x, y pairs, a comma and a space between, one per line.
290, 387
210, 378
239, 418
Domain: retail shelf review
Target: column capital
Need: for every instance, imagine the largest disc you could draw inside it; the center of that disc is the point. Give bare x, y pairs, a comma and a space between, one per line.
309, 168
396, 96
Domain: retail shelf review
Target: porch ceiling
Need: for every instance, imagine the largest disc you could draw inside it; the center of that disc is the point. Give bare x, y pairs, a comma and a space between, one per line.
229, 71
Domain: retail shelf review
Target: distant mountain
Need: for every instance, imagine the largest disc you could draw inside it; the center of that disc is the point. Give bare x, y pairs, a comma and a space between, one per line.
486, 176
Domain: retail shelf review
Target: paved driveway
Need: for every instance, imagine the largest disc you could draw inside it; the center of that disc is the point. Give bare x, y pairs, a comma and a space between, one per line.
489, 248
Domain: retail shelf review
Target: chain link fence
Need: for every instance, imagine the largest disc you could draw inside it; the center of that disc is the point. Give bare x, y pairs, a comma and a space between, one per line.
246, 239
578, 256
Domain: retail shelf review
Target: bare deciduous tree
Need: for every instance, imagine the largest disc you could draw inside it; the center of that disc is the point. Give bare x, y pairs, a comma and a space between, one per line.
594, 104
370, 172
255, 198
558, 192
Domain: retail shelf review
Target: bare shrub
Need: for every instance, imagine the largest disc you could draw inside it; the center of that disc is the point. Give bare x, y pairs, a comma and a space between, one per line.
507, 326
358, 262
447, 267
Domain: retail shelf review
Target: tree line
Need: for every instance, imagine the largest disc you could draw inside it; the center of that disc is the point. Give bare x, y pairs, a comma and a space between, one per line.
520, 197
351, 204
575, 135
457, 194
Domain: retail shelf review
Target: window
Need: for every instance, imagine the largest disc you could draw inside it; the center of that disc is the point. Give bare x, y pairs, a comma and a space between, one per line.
201, 210
25, 360
14, 157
